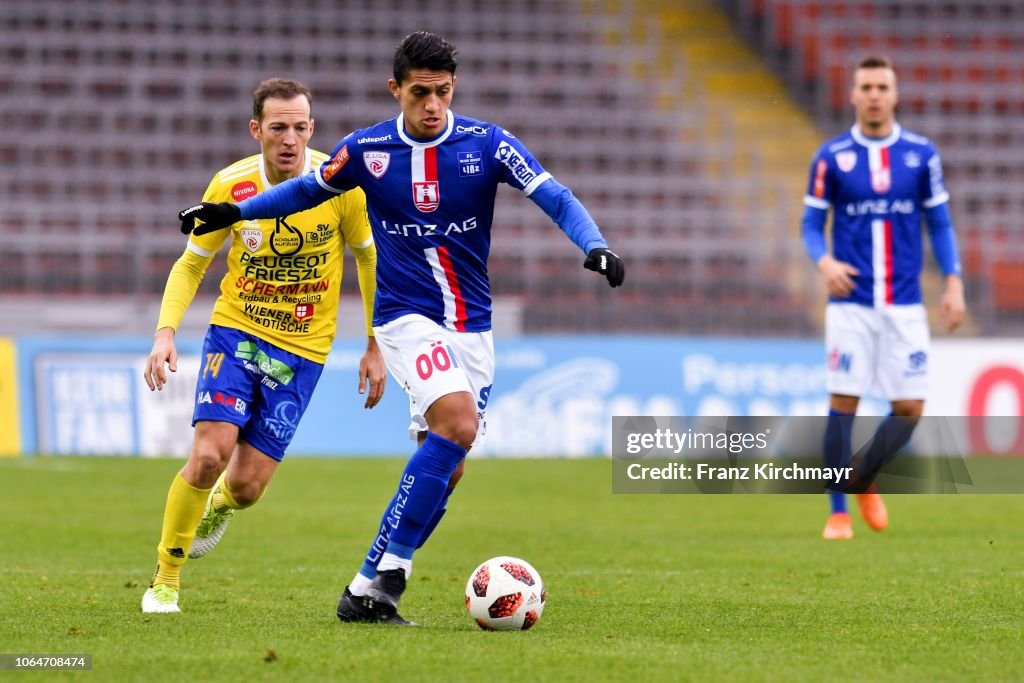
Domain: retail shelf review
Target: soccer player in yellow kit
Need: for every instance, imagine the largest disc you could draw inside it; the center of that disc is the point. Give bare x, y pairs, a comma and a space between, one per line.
269, 335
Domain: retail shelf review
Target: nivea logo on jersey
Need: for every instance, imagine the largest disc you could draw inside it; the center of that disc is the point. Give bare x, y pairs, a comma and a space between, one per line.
252, 238
880, 207
470, 163
846, 160
377, 163
472, 130
382, 138
243, 190
515, 162
426, 195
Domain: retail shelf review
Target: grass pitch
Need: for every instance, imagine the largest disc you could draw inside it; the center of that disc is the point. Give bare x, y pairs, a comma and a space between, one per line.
651, 588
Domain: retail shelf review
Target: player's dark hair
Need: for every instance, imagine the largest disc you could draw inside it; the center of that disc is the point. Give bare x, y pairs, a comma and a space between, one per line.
280, 88
875, 62
424, 50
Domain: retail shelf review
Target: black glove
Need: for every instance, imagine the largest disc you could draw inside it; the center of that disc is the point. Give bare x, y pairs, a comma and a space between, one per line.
213, 217
606, 262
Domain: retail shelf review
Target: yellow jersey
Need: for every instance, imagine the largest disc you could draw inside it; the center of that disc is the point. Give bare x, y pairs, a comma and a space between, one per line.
284, 274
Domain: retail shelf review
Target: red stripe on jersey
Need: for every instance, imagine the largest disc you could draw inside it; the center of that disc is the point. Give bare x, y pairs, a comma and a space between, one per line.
888, 254
430, 163
884, 157
453, 280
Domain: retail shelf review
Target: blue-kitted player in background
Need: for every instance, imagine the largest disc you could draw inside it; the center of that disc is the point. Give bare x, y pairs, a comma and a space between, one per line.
879, 180
430, 178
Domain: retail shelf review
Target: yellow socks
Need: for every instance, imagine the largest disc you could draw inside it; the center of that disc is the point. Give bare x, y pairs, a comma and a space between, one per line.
184, 509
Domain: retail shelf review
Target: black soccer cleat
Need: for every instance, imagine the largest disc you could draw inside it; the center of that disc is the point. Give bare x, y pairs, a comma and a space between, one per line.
385, 592
360, 609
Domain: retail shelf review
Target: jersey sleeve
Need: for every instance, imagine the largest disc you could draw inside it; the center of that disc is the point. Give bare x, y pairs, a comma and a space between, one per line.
933, 185
336, 174
355, 226
514, 163
821, 184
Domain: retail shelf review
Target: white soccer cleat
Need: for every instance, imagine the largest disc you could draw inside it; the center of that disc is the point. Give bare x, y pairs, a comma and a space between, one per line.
211, 527
160, 598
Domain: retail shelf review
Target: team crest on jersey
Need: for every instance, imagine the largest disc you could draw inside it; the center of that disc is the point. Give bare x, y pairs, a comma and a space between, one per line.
846, 160
252, 238
881, 180
377, 163
912, 160
426, 195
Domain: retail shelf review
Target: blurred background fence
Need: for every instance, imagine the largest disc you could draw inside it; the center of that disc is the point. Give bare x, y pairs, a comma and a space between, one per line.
685, 127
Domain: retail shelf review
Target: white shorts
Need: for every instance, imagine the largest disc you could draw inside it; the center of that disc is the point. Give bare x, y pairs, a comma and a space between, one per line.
430, 361
881, 348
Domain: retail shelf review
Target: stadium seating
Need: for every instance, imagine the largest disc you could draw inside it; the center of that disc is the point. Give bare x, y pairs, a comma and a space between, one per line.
119, 112
961, 84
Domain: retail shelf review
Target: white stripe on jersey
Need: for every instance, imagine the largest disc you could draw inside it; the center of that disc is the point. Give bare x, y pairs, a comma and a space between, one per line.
235, 172
878, 260
441, 278
196, 249
535, 183
940, 198
816, 202
419, 165
362, 245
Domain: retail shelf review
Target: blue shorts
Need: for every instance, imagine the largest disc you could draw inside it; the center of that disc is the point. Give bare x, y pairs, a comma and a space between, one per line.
249, 382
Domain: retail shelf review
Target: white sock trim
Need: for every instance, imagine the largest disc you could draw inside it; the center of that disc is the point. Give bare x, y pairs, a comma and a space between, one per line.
391, 561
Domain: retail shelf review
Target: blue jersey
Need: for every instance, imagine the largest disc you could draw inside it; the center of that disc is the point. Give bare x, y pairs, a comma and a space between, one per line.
878, 190
430, 205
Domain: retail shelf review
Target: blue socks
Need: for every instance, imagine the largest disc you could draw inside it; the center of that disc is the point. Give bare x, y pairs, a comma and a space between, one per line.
838, 451
417, 507
891, 436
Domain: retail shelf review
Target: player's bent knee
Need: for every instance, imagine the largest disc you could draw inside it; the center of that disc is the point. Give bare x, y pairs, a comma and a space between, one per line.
246, 493
461, 430
205, 465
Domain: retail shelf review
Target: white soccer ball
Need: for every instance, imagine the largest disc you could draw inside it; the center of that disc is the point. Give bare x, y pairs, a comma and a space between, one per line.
505, 594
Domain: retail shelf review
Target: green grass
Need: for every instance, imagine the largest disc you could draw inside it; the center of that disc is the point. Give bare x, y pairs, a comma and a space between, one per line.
641, 588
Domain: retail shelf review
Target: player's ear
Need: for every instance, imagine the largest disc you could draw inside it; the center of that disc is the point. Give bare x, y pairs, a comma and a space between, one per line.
254, 129
393, 87
312, 123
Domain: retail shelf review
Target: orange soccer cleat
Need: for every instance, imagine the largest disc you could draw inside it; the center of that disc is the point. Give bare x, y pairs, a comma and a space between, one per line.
872, 509
837, 527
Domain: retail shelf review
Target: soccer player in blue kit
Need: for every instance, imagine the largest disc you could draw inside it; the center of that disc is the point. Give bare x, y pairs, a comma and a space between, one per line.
430, 178
878, 179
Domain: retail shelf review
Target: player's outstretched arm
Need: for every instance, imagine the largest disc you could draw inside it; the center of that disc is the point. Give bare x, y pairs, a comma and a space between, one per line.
373, 373
559, 203
164, 352
291, 196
